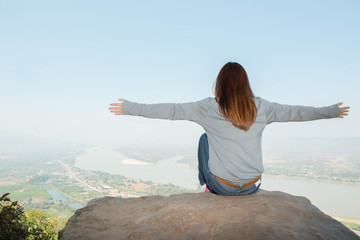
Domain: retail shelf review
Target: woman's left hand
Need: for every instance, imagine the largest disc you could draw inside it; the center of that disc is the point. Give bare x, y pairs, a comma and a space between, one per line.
343, 110
117, 107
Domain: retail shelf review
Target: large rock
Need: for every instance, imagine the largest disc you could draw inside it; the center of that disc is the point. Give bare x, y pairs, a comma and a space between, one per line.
265, 215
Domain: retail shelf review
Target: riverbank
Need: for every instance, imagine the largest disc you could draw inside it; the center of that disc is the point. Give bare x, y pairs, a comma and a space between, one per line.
309, 179
132, 161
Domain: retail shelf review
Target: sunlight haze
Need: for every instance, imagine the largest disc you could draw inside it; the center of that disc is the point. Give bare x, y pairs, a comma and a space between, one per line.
62, 63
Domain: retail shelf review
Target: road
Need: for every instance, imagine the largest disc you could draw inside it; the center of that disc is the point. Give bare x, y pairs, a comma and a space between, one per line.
72, 175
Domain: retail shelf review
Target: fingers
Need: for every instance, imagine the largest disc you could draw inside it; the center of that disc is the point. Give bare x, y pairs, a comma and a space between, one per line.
344, 112
116, 104
116, 108
344, 109
116, 111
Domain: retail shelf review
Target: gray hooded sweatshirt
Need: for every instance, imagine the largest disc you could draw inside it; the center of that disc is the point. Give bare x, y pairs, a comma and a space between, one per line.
234, 154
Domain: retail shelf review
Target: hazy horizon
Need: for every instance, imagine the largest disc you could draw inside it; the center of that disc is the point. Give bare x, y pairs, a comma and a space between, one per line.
15, 142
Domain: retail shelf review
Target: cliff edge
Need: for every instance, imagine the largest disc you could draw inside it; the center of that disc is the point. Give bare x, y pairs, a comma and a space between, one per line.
265, 215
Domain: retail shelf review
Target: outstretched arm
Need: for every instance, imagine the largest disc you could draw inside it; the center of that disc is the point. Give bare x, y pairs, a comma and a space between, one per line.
173, 111
276, 112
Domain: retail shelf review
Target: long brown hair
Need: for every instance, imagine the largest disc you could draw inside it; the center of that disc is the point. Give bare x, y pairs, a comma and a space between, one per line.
234, 96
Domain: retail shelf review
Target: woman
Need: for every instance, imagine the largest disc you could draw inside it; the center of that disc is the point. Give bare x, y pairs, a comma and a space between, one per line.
229, 154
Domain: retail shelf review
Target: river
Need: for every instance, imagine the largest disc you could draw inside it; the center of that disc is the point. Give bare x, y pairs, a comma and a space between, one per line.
333, 199
60, 197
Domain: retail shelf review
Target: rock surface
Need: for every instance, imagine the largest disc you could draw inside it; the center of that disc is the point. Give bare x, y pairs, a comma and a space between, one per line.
265, 215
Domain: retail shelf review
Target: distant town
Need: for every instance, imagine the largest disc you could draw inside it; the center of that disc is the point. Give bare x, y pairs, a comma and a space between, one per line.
58, 187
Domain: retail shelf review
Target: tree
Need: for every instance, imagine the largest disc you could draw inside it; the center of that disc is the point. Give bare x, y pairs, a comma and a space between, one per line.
15, 224
12, 219
42, 226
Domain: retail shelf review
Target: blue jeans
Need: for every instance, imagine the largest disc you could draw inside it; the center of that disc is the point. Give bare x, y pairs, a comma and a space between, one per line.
214, 185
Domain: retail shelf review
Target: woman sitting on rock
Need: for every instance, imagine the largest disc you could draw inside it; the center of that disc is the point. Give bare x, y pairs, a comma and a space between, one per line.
230, 154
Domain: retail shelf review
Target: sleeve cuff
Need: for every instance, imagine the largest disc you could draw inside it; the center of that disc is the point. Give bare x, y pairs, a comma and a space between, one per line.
125, 107
336, 110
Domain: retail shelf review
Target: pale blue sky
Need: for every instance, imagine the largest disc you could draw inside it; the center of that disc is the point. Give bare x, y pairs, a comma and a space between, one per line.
63, 62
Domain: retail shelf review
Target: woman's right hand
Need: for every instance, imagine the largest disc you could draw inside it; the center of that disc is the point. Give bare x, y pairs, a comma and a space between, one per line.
343, 110
117, 107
